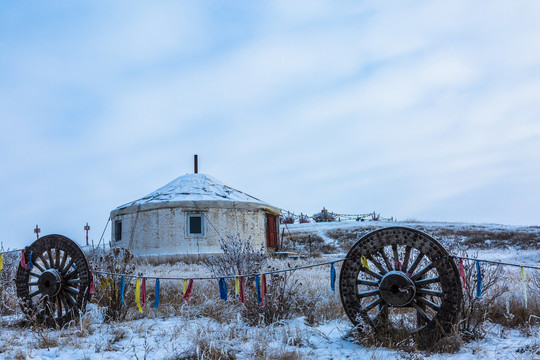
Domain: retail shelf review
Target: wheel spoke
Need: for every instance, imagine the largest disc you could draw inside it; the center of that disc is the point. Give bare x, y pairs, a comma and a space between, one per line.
415, 263
51, 261
57, 252
35, 274
36, 264
70, 274
427, 281
423, 271
368, 293
406, 259
396, 257
420, 311
31, 283
73, 281
428, 303
45, 263
377, 264
32, 294
71, 289
364, 282
64, 258
372, 304
429, 292
372, 273
385, 258
65, 270
70, 298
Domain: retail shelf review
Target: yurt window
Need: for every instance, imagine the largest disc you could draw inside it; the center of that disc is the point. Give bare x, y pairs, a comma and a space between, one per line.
195, 225
118, 230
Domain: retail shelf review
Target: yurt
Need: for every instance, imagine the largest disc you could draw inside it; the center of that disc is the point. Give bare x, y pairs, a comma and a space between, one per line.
188, 217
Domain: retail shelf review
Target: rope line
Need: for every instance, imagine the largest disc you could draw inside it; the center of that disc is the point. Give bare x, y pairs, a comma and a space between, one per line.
294, 269
223, 277
497, 262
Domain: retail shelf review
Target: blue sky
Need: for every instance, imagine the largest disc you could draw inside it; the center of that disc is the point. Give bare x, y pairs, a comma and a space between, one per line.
415, 109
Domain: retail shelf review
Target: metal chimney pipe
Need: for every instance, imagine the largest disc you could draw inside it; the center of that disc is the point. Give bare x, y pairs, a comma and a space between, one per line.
196, 161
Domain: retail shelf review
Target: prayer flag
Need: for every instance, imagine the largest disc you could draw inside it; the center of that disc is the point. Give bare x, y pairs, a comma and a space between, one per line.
138, 293
188, 290
156, 300
478, 280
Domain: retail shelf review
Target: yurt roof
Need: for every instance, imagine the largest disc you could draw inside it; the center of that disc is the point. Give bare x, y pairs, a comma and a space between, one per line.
196, 190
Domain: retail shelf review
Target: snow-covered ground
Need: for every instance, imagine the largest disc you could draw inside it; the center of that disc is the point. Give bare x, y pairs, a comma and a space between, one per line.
179, 334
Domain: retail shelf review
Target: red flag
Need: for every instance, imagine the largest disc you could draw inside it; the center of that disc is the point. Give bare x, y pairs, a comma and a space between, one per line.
263, 289
188, 290
23, 261
92, 289
242, 289
462, 274
143, 291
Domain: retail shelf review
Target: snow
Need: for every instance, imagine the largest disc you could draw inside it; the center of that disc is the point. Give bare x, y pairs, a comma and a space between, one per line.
193, 187
162, 336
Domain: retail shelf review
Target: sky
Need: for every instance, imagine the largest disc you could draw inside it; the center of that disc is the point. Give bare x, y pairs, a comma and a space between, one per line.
424, 110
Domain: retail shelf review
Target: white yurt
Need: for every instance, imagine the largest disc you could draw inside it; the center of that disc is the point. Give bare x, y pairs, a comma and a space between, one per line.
187, 218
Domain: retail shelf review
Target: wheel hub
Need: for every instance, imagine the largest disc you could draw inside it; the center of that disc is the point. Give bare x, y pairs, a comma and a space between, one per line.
397, 289
50, 282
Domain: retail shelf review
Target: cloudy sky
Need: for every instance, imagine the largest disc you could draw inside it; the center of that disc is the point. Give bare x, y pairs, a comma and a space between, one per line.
423, 110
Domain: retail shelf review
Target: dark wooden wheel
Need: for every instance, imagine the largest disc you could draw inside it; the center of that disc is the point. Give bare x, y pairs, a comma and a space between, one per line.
410, 286
56, 289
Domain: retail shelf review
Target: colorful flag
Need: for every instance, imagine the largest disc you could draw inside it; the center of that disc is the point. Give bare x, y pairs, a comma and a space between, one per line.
138, 294
156, 300
189, 288
143, 291
364, 262
222, 289
462, 274
122, 288
332, 277
242, 290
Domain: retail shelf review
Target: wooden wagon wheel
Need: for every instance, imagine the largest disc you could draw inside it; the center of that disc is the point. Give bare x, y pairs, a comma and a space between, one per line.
401, 282
56, 289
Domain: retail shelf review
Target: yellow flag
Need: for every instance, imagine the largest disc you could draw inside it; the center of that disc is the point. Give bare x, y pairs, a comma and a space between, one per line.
524, 284
1, 262
138, 293
184, 286
237, 285
364, 262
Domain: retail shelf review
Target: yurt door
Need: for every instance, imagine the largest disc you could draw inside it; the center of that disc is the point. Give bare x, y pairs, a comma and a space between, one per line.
271, 231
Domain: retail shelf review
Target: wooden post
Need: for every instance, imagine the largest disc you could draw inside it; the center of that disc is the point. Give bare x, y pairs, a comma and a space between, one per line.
196, 163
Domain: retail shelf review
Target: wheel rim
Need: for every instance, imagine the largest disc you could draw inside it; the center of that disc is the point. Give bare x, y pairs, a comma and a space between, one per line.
56, 288
410, 285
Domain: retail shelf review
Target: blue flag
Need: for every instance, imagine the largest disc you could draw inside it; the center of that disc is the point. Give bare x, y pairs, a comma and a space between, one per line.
478, 280
122, 287
258, 288
333, 278
222, 289
156, 300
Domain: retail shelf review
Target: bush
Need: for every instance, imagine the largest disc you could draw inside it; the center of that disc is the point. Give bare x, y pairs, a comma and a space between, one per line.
107, 288
240, 257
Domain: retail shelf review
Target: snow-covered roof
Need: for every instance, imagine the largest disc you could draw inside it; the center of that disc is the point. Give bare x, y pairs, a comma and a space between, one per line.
194, 188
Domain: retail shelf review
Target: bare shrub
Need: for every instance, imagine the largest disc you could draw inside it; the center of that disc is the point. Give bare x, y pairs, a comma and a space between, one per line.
476, 310
240, 256
282, 301
107, 288
8, 293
